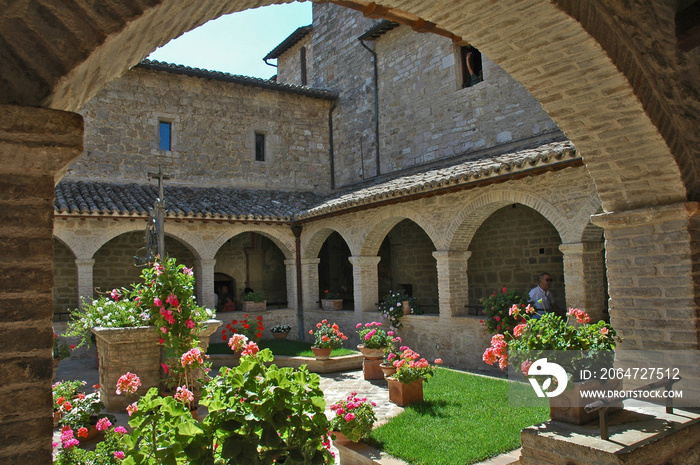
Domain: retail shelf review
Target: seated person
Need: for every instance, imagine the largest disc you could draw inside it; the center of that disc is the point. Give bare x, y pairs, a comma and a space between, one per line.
225, 302
541, 298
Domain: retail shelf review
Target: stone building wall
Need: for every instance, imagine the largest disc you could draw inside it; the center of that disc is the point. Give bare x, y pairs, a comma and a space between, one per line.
65, 279
426, 115
114, 262
289, 64
213, 133
511, 248
341, 64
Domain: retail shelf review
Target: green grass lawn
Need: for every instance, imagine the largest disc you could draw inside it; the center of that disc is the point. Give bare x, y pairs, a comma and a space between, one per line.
465, 419
281, 347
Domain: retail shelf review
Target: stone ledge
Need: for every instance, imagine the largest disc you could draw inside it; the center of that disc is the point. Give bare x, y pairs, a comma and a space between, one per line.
359, 453
332, 365
637, 436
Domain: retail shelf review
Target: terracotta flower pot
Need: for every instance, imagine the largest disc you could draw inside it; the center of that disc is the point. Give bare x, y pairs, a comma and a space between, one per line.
332, 304
406, 307
388, 369
370, 364
340, 438
569, 406
405, 394
92, 432
280, 335
321, 353
370, 353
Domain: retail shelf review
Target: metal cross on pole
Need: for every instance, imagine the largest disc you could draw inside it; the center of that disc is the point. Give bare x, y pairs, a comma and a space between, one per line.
160, 211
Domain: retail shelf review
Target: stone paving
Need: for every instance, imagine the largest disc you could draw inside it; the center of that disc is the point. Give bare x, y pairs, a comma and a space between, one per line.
336, 386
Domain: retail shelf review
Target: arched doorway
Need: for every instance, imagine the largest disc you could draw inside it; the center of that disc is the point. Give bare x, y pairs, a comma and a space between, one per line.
335, 270
407, 264
510, 249
253, 261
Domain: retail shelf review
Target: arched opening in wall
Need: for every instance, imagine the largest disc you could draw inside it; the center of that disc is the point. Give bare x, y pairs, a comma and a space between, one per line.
595, 276
65, 281
114, 261
510, 249
407, 264
335, 279
255, 262
225, 291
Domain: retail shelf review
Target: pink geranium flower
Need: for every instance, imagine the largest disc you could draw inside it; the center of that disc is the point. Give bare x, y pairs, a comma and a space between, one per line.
103, 424
128, 383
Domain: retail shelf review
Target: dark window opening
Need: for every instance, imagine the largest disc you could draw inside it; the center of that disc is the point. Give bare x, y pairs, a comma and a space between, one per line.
259, 147
472, 71
302, 57
165, 129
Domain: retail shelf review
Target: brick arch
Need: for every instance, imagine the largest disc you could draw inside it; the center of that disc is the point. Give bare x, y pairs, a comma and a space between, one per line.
71, 241
378, 231
468, 220
311, 245
571, 67
91, 247
580, 225
285, 242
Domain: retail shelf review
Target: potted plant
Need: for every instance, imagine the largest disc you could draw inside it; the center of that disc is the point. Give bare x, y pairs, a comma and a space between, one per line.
250, 327
498, 318
406, 385
373, 342
394, 305
82, 413
254, 302
332, 300
354, 418
280, 331
575, 345
64, 391
326, 338
110, 451
257, 389
391, 354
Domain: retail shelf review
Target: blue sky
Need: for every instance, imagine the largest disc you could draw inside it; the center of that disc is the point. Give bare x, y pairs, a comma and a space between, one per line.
237, 43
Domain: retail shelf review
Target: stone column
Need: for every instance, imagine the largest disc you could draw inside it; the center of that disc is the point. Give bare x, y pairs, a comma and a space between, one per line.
291, 276
453, 288
651, 258
204, 272
366, 284
85, 285
584, 272
36, 146
309, 282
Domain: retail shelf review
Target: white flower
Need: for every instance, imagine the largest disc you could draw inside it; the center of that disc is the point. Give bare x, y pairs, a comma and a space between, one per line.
398, 304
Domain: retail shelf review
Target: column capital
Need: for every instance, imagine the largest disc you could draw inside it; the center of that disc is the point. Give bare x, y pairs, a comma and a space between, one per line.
364, 260
647, 215
458, 254
209, 262
83, 262
308, 261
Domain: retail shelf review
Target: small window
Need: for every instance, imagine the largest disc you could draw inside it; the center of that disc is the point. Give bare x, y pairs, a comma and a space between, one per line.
472, 71
259, 147
165, 136
302, 58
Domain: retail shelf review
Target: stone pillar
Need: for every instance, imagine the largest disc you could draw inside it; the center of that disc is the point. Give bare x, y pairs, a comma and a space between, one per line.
453, 286
584, 272
309, 282
36, 146
366, 284
85, 285
204, 272
651, 258
291, 276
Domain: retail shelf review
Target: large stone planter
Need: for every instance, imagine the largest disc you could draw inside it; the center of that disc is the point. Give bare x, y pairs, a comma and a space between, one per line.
405, 394
250, 306
568, 407
332, 304
135, 350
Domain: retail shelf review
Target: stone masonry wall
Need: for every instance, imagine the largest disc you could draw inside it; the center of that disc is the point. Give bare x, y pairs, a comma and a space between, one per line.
506, 252
426, 115
213, 133
289, 64
114, 262
65, 279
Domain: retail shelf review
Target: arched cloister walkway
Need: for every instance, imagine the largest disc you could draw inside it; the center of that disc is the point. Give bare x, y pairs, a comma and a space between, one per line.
620, 90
